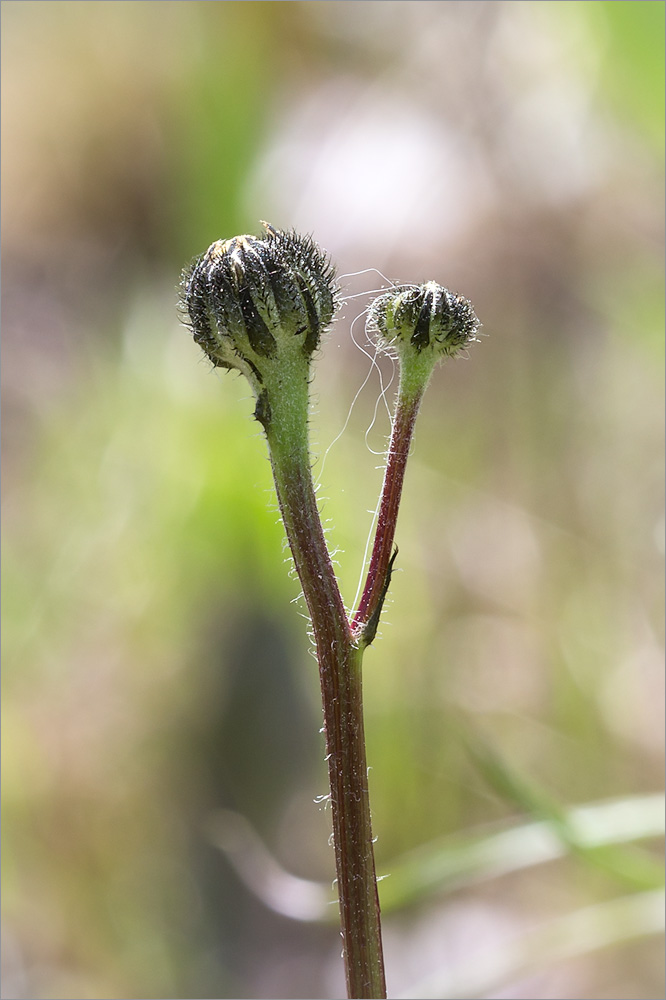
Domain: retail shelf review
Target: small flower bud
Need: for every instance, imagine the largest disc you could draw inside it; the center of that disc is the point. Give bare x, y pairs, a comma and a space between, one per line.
253, 301
425, 317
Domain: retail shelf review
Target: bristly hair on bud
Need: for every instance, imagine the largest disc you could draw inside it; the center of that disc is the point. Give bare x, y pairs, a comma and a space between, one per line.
251, 302
423, 318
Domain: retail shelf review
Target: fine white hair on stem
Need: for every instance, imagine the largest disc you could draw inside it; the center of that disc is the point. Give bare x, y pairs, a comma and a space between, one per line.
366, 270
375, 515
346, 423
382, 396
378, 349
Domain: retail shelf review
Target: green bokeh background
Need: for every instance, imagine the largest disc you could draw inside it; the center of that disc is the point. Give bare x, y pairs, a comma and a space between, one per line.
157, 666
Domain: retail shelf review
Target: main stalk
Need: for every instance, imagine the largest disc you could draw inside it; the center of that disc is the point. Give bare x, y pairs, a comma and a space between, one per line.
339, 657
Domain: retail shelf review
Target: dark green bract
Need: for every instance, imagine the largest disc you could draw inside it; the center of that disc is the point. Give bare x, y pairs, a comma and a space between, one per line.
252, 300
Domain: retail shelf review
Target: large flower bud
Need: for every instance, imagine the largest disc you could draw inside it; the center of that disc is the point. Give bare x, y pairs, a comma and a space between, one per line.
424, 318
254, 303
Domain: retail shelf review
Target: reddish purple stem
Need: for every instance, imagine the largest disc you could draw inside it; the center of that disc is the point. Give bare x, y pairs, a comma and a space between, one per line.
394, 477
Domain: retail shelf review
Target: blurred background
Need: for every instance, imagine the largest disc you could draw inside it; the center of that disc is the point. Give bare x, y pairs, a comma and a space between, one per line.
164, 833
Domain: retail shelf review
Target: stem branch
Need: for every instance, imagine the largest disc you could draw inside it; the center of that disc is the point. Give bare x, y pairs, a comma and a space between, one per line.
364, 623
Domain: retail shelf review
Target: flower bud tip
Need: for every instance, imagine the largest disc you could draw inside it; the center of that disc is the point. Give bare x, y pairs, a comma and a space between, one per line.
424, 317
252, 300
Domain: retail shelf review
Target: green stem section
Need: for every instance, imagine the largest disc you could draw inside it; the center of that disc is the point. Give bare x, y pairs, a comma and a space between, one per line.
339, 658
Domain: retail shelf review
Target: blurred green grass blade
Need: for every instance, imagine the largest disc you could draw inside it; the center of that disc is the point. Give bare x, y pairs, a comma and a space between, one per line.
446, 864
453, 863
513, 787
589, 929
633, 867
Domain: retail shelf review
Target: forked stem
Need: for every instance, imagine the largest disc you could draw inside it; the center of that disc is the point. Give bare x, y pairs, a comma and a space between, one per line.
258, 305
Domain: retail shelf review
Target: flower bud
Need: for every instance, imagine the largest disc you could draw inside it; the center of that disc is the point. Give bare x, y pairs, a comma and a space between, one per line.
253, 301
424, 317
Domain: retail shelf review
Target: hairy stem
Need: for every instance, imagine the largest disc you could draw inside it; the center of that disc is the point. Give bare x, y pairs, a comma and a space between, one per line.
410, 394
339, 658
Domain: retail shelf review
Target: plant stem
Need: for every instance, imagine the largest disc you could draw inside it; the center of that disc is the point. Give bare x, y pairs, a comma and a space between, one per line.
413, 381
339, 657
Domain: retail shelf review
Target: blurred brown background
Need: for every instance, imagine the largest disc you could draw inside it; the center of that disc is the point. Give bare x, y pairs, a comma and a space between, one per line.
157, 681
